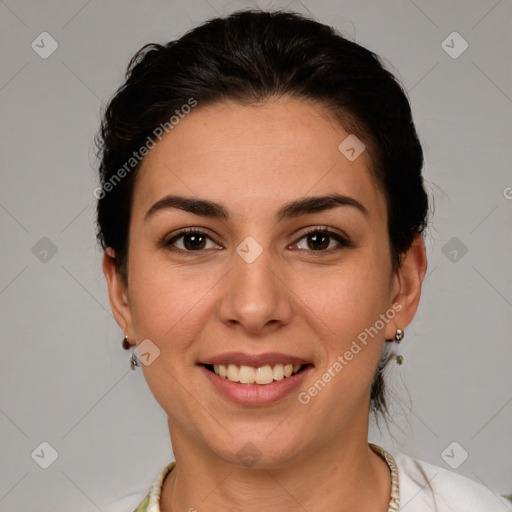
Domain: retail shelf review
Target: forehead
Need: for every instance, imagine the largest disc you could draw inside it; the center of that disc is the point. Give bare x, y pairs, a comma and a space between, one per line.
255, 155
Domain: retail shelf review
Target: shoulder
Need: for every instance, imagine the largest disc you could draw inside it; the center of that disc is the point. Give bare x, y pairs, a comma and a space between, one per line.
148, 501
425, 487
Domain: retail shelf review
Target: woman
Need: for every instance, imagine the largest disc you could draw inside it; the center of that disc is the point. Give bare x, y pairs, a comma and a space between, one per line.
261, 210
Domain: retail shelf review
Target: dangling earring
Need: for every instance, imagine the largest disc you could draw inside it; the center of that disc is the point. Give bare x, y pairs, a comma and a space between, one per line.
125, 344
134, 361
399, 336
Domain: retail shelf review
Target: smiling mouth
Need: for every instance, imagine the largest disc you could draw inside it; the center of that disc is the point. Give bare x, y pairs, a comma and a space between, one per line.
249, 375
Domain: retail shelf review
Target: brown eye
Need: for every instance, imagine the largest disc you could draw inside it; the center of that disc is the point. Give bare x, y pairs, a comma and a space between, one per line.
190, 240
321, 240
193, 242
318, 241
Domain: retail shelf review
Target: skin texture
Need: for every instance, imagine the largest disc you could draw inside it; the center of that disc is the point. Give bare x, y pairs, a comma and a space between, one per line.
292, 299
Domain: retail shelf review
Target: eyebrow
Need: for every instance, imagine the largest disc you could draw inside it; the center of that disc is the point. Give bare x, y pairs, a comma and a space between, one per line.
303, 206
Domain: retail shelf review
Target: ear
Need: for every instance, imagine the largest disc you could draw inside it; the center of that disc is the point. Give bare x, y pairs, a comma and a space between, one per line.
117, 293
406, 288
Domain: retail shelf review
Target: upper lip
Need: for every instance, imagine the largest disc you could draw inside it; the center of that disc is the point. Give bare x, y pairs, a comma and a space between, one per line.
254, 360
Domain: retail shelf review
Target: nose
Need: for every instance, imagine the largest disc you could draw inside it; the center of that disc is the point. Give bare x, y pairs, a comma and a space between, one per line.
256, 298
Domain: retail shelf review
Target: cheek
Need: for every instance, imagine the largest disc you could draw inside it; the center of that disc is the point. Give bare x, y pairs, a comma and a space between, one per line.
169, 308
166, 301
349, 302
347, 299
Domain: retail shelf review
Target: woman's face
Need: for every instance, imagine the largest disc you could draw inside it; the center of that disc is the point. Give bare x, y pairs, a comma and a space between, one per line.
253, 288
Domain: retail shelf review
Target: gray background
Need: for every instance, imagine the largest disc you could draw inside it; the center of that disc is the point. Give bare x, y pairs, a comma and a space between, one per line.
65, 379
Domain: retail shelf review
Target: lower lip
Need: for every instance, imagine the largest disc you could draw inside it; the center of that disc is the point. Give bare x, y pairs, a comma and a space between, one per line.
256, 394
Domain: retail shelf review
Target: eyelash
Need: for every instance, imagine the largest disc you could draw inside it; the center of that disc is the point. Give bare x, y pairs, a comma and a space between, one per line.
343, 241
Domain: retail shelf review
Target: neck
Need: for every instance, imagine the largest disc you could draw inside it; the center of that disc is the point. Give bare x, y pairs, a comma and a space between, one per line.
344, 477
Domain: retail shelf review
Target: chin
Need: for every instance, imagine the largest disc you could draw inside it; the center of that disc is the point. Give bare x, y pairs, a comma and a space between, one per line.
260, 451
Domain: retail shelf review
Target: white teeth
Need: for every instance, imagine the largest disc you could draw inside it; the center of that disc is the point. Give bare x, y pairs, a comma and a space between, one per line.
232, 373
278, 372
262, 375
247, 375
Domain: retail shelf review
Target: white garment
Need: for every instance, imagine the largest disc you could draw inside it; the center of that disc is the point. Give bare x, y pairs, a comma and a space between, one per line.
428, 488
423, 487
